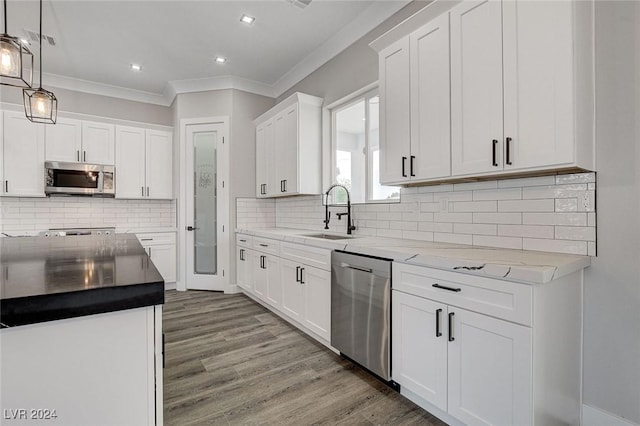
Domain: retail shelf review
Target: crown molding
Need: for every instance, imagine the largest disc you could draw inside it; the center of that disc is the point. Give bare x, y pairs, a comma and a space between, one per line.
95, 88
374, 15
221, 83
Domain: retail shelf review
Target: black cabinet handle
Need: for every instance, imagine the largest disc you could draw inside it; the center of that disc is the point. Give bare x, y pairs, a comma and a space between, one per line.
301, 276
285, 185
509, 162
84, 156
282, 186
438, 312
451, 338
404, 173
78, 155
264, 245
243, 241
413, 157
6, 186
298, 274
443, 287
142, 190
242, 254
495, 153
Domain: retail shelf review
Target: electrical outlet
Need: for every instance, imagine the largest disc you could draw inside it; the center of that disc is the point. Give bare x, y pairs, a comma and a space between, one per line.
586, 202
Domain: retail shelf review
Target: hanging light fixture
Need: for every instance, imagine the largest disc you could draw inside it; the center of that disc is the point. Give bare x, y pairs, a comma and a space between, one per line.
16, 60
40, 105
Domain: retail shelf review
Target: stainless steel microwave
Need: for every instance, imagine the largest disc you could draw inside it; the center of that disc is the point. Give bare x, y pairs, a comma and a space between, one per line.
79, 179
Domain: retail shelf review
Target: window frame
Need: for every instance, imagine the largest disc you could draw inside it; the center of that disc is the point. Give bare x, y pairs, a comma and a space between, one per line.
363, 95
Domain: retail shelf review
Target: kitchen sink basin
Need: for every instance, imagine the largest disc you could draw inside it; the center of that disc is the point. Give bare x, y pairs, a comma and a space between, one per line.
329, 236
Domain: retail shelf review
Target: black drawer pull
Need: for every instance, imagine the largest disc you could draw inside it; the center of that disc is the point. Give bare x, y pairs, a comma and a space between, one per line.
243, 241
264, 245
298, 279
413, 157
451, 338
404, 173
494, 161
301, 276
509, 162
447, 288
438, 312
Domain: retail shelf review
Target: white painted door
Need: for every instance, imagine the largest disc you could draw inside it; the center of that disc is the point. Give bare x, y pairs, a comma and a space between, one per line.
476, 87
98, 143
420, 347
538, 83
63, 142
489, 361
317, 284
23, 156
244, 270
261, 161
274, 280
430, 100
159, 164
130, 162
206, 207
260, 276
292, 290
395, 137
164, 259
289, 161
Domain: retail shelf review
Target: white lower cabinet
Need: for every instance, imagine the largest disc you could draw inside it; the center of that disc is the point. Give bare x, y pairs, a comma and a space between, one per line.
282, 276
161, 248
484, 367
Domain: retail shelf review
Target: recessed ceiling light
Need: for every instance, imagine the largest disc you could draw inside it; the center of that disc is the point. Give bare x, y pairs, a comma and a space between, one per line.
247, 19
136, 67
220, 60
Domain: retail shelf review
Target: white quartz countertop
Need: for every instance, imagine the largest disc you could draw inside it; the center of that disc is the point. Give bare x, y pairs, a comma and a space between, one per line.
513, 265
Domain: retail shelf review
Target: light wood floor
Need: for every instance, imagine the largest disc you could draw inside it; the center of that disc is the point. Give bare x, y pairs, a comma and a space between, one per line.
229, 361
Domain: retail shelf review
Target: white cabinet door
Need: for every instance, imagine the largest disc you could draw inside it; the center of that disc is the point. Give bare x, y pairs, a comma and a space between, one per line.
260, 276
245, 261
490, 366
394, 112
292, 290
289, 159
164, 258
317, 283
476, 87
280, 146
159, 164
538, 83
420, 347
63, 142
265, 161
274, 280
98, 143
430, 100
130, 159
23, 156
261, 161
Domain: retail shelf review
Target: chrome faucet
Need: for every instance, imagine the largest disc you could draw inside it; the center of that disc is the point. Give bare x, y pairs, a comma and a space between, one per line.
327, 217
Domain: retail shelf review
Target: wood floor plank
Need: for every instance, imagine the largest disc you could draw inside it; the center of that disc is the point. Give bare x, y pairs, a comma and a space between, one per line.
229, 361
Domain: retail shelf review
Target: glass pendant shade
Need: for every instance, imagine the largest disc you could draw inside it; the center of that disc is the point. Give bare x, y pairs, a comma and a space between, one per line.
40, 105
16, 62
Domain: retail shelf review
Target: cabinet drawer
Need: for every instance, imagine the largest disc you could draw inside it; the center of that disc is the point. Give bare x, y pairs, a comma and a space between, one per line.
266, 245
501, 299
157, 238
312, 256
243, 240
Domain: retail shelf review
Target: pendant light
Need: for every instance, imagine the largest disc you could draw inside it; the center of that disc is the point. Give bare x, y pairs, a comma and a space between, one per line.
16, 60
40, 105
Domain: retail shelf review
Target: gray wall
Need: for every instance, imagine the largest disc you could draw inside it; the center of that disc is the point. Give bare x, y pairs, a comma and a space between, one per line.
612, 283
100, 106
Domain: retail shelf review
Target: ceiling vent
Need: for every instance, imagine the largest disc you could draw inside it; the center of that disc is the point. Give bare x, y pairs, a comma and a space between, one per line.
300, 3
34, 37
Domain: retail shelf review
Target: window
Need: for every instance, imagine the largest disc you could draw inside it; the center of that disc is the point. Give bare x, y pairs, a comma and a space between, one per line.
356, 151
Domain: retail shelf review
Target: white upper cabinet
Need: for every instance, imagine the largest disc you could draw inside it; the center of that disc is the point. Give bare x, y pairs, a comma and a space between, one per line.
144, 163
22, 169
63, 141
476, 87
74, 141
394, 87
98, 143
288, 148
495, 88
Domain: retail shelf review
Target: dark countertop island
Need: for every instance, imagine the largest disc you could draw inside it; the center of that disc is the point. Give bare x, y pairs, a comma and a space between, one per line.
45, 279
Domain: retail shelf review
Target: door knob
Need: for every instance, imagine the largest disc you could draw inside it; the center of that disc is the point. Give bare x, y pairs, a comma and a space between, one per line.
191, 228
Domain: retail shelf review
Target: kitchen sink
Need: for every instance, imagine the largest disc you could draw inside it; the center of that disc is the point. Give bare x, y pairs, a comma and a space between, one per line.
329, 236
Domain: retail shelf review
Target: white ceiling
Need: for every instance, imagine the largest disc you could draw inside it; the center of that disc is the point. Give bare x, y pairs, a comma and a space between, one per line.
175, 42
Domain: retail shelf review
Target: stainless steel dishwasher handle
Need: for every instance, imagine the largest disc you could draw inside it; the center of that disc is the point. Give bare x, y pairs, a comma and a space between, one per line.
357, 268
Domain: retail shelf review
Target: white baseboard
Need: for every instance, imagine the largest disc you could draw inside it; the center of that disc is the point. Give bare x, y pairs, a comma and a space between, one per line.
232, 289
169, 286
595, 417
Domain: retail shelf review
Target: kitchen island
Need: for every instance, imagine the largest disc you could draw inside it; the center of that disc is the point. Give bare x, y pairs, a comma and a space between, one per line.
81, 338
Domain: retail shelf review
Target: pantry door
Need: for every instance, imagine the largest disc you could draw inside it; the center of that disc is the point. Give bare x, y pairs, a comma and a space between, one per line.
207, 199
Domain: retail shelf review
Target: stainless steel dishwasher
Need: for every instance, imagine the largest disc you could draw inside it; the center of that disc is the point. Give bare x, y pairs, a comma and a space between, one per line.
361, 310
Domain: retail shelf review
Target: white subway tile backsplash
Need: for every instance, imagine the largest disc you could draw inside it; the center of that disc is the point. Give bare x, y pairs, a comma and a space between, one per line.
525, 213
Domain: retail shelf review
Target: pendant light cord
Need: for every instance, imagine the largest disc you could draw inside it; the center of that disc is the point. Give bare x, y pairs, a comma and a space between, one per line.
5, 16
5, 2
